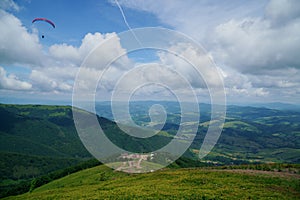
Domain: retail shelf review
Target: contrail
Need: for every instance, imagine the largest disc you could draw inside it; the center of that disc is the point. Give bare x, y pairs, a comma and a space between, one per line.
125, 21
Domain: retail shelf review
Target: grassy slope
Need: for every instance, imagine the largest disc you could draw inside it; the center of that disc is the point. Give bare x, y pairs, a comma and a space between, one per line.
249, 134
240, 139
38, 139
103, 183
49, 131
256, 135
39, 130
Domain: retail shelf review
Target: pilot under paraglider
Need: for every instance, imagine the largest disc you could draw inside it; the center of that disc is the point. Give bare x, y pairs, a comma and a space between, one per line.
45, 20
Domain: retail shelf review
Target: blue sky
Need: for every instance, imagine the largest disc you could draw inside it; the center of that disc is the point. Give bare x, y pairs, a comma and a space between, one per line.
74, 19
254, 45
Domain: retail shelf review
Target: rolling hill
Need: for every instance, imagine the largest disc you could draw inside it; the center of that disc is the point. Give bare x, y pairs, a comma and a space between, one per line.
198, 183
39, 139
250, 134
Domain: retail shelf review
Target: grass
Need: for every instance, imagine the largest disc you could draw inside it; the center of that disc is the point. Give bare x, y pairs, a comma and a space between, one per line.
103, 183
249, 134
240, 125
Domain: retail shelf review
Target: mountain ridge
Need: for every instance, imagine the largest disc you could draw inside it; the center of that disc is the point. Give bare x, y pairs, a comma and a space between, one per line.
37, 135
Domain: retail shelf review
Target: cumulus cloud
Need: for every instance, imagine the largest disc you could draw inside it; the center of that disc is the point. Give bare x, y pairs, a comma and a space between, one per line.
11, 82
286, 78
280, 12
13, 49
150, 81
182, 69
55, 70
279, 85
240, 86
9, 5
261, 52
76, 55
252, 46
53, 79
65, 52
60, 64
99, 49
255, 43
47, 83
193, 64
193, 17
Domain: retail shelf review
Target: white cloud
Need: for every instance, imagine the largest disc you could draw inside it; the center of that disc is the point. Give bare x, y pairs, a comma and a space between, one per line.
150, 81
53, 79
9, 5
53, 70
252, 45
255, 43
66, 60
280, 12
281, 79
194, 65
182, 70
261, 92
16, 44
239, 86
65, 52
263, 51
193, 17
280, 85
11, 82
59, 67
76, 55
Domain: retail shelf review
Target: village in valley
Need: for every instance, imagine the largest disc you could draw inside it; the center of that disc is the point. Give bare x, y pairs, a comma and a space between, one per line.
133, 162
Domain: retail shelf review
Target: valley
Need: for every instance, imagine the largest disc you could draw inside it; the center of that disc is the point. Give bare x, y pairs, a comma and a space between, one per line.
40, 143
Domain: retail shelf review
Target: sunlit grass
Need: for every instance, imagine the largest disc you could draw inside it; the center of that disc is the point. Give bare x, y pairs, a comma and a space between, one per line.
104, 183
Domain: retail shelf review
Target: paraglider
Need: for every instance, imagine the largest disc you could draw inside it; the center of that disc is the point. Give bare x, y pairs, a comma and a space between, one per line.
45, 20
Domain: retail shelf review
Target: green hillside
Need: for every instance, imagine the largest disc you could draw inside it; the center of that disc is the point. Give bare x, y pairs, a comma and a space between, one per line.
38, 140
40, 130
103, 183
250, 134
260, 135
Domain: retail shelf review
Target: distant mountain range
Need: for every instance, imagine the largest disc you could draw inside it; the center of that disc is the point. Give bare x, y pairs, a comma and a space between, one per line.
38, 139
278, 106
255, 134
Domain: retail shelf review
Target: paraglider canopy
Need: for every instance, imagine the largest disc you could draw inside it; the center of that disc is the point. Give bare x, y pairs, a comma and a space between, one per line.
44, 19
